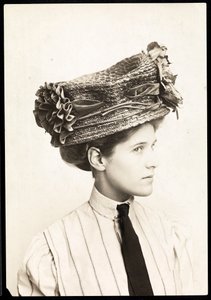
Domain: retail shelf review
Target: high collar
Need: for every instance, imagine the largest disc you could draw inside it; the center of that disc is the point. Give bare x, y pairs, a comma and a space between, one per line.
104, 205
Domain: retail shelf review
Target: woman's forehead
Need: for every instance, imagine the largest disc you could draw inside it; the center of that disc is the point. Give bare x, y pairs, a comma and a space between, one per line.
144, 134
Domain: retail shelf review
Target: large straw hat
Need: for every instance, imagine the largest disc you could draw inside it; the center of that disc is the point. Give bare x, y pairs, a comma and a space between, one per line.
133, 91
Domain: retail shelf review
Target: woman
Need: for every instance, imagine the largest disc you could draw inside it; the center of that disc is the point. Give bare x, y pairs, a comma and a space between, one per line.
111, 245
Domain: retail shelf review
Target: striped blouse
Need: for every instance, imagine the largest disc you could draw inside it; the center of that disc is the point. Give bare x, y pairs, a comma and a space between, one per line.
80, 255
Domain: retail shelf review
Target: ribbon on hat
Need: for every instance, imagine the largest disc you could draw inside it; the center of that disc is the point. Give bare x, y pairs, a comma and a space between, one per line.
84, 107
144, 89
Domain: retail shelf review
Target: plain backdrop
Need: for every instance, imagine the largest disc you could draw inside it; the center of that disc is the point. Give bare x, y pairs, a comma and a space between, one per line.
57, 42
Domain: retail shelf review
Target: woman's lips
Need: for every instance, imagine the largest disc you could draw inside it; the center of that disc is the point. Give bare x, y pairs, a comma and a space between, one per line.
148, 178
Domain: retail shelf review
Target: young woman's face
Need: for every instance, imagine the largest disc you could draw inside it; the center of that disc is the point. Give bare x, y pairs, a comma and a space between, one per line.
130, 169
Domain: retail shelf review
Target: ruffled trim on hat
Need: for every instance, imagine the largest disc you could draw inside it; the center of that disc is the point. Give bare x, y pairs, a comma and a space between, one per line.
53, 112
57, 113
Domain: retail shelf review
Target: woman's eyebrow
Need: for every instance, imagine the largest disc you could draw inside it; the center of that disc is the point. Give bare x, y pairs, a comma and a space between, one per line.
144, 143
140, 143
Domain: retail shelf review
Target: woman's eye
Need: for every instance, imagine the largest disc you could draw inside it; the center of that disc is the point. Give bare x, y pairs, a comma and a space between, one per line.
139, 149
153, 146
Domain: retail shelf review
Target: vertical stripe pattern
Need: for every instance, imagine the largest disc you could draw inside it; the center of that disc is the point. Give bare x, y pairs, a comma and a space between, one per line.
106, 251
72, 258
89, 255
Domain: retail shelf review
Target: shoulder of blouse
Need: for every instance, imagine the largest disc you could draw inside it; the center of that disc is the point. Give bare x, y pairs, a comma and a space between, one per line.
174, 230
39, 243
37, 273
176, 241
38, 247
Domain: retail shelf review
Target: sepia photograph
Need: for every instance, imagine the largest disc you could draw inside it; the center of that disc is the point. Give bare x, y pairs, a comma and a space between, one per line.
106, 149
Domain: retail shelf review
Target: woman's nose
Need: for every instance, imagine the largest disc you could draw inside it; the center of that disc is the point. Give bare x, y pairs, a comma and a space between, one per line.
152, 159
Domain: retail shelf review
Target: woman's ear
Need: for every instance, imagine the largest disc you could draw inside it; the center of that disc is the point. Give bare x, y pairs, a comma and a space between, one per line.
95, 159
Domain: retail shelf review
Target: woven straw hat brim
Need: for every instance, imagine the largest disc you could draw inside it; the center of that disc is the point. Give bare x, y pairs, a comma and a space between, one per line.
91, 133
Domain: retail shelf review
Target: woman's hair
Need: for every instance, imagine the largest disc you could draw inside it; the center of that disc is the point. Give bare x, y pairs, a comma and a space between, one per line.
77, 154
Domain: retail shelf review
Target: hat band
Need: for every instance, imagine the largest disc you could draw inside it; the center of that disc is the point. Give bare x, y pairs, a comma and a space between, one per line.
129, 105
136, 92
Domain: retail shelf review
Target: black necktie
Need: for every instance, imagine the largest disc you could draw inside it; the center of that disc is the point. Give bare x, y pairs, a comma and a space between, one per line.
138, 278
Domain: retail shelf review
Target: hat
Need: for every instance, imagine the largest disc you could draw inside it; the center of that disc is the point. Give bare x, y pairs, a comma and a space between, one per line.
131, 92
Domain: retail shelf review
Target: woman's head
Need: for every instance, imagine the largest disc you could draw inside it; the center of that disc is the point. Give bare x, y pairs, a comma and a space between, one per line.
97, 117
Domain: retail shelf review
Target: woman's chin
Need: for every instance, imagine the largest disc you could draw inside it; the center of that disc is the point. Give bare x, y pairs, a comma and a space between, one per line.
144, 192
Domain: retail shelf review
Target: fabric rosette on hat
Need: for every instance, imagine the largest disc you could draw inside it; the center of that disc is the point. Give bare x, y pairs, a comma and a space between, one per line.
131, 92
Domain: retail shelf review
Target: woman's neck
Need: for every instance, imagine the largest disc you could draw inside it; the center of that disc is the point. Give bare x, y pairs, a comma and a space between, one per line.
110, 192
